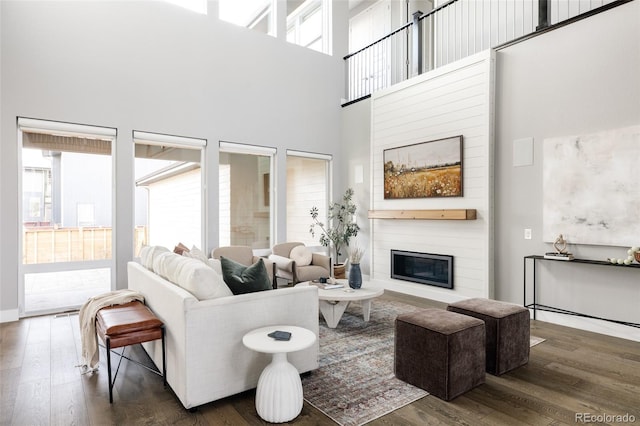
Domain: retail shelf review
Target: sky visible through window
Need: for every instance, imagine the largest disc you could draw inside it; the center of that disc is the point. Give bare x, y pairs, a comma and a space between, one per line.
241, 12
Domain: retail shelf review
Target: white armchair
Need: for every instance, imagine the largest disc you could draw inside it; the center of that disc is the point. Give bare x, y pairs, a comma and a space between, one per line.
296, 263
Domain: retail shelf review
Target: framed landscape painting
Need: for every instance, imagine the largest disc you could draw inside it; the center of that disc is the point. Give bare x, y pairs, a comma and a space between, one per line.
424, 170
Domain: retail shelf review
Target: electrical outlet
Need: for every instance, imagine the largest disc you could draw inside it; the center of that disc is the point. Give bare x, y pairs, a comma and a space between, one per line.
527, 233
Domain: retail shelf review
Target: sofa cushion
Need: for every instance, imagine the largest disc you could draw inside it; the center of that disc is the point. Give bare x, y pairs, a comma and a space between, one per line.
245, 279
195, 253
192, 275
148, 254
301, 255
215, 264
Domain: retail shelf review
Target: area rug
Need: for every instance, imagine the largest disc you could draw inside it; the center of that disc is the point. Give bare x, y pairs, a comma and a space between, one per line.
355, 382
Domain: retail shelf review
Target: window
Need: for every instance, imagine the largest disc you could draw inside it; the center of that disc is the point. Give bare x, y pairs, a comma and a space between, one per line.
307, 25
168, 194
246, 179
254, 14
307, 186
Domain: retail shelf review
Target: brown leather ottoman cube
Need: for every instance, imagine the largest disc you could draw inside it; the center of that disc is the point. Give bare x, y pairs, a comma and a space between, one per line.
507, 328
439, 351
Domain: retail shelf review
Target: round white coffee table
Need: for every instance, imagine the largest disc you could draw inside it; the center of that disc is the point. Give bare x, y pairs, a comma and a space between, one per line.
279, 393
334, 302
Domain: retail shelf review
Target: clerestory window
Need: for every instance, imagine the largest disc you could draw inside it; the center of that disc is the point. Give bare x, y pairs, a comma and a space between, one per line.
308, 24
253, 14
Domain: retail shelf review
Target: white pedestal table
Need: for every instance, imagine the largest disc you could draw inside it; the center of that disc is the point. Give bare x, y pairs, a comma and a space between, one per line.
335, 301
279, 396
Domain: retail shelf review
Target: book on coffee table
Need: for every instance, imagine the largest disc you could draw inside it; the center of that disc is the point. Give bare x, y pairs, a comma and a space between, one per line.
327, 286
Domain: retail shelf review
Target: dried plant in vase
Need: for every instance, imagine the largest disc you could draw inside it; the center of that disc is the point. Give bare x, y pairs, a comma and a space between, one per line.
355, 254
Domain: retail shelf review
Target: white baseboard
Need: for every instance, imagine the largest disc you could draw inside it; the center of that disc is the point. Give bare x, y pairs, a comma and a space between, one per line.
589, 324
9, 315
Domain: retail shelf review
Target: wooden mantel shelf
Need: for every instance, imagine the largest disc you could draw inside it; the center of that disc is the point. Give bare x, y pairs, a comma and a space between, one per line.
447, 214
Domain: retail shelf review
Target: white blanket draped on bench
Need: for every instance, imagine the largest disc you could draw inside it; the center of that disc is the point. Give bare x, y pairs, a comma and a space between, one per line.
87, 318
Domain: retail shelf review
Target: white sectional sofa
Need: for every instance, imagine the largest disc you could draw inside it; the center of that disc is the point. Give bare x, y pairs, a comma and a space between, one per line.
206, 359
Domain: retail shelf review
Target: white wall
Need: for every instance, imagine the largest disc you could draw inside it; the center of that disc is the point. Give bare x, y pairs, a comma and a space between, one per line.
571, 81
155, 67
453, 100
356, 137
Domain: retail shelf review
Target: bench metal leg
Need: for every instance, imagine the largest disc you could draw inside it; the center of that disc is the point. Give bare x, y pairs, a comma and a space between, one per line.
122, 355
113, 381
108, 343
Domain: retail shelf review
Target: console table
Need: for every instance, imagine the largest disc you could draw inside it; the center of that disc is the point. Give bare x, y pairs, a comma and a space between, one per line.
532, 259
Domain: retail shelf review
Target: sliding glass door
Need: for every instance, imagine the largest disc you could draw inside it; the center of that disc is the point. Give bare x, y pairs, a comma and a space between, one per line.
66, 214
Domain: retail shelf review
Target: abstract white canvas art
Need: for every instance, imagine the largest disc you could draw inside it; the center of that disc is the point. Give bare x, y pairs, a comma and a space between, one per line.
591, 187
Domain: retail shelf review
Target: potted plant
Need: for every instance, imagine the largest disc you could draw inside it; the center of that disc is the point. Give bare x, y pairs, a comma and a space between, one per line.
339, 228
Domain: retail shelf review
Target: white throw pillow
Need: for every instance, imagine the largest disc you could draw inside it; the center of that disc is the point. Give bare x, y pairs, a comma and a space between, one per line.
164, 264
215, 264
302, 255
192, 275
196, 253
149, 253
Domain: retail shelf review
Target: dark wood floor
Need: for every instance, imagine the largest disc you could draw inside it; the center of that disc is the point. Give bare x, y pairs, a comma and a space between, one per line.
572, 372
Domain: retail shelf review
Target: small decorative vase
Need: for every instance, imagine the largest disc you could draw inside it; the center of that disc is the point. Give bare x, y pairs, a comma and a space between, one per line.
355, 276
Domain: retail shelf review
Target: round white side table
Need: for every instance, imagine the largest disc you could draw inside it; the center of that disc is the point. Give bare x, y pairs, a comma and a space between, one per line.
279, 393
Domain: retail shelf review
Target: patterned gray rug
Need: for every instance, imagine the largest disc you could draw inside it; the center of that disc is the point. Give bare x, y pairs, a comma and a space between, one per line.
355, 382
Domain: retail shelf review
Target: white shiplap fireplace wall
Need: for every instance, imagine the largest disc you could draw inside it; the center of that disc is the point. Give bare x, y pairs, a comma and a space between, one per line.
457, 99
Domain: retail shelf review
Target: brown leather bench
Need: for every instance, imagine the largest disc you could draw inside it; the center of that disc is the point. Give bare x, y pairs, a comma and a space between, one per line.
128, 324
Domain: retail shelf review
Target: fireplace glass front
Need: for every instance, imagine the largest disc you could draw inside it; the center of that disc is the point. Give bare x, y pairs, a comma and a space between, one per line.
423, 268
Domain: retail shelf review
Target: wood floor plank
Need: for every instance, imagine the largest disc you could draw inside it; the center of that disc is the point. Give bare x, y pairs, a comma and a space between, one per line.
9, 383
13, 340
64, 360
33, 402
68, 405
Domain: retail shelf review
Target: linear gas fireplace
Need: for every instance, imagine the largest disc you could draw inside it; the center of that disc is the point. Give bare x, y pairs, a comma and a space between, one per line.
423, 268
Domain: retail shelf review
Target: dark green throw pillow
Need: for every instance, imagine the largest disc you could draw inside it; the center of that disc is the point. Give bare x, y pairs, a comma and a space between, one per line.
245, 279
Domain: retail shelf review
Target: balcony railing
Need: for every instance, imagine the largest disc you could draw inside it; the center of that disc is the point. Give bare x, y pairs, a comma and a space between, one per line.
451, 31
